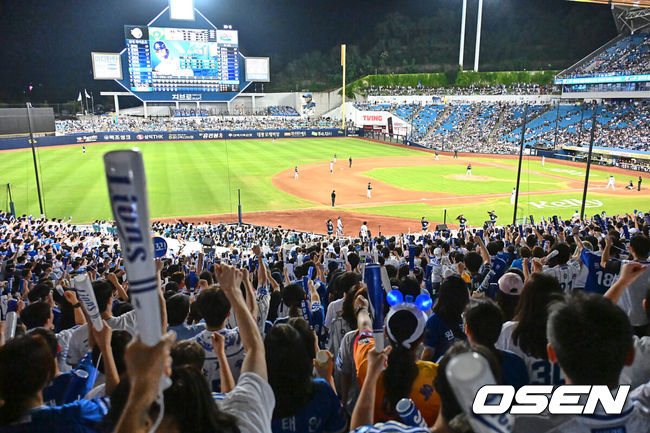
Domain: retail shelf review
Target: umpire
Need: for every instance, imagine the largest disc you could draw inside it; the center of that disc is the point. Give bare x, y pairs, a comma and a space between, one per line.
333, 197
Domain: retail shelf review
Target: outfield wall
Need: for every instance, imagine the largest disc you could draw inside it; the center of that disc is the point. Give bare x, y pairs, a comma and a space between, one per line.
112, 137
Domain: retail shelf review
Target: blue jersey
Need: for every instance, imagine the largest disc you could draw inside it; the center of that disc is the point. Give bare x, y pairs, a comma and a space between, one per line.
490, 283
506, 257
322, 414
425, 225
599, 279
513, 370
82, 416
462, 222
73, 385
330, 228
438, 336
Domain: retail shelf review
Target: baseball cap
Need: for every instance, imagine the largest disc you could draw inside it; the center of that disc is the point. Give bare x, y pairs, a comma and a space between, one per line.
159, 45
307, 95
510, 283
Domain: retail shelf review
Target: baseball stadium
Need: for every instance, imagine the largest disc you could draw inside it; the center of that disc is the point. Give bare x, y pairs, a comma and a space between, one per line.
203, 181
288, 217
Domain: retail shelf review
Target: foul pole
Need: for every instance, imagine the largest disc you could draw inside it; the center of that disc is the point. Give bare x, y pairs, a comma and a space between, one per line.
521, 154
591, 148
343, 91
31, 142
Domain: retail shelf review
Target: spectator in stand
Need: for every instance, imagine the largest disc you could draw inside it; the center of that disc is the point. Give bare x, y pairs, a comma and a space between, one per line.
525, 336
215, 309
28, 367
595, 357
302, 403
631, 300
188, 403
445, 325
482, 321
404, 375
510, 285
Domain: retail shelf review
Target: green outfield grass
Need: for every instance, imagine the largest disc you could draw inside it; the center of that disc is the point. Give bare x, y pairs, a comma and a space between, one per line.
547, 205
452, 179
202, 178
596, 173
184, 178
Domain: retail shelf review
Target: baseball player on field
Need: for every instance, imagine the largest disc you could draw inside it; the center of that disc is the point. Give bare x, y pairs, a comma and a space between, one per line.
469, 169
369, 193
611, 183
295, 173
339, 227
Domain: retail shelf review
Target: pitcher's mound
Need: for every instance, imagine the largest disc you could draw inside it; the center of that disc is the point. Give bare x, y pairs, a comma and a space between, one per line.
470, 178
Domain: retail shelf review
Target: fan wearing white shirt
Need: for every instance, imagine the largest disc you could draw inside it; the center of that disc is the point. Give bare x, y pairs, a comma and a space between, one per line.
78, 344
215, 309
567, 269
595, 357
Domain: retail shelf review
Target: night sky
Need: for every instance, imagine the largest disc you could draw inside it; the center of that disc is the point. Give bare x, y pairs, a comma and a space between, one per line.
47, 44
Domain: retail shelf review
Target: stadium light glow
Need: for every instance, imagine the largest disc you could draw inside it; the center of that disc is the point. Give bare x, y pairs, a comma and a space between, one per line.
181, 10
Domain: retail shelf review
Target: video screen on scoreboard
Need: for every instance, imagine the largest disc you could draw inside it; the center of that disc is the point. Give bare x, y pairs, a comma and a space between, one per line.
163, 59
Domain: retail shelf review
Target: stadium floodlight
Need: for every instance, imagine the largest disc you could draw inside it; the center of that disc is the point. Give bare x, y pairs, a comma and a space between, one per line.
461, 55
181, 10
479, 21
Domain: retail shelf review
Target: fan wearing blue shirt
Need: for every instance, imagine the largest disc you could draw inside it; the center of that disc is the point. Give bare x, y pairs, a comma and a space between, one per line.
178, 308
303, 404
445, 326
599, 278
27, 367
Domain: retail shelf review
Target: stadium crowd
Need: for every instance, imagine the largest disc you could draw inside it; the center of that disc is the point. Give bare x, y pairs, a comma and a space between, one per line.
271, 330
629, 56
282, 111
495, 127
474, 89
215, 123
621, 126
190, 112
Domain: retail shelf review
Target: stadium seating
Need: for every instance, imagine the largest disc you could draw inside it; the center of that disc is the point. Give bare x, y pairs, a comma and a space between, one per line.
282, 111
216, 123
496, 127
190, 112
627, 56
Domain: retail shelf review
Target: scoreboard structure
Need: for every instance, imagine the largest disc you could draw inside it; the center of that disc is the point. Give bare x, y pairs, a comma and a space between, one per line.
180, 57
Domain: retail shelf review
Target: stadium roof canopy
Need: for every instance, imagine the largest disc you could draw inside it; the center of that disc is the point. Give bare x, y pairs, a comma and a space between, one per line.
631, 16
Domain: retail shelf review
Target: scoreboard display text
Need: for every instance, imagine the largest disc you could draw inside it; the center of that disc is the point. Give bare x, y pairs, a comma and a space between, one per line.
164, 59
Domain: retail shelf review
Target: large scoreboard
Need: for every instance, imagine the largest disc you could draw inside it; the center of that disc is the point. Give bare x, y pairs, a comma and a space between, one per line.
181, 56
164, 59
